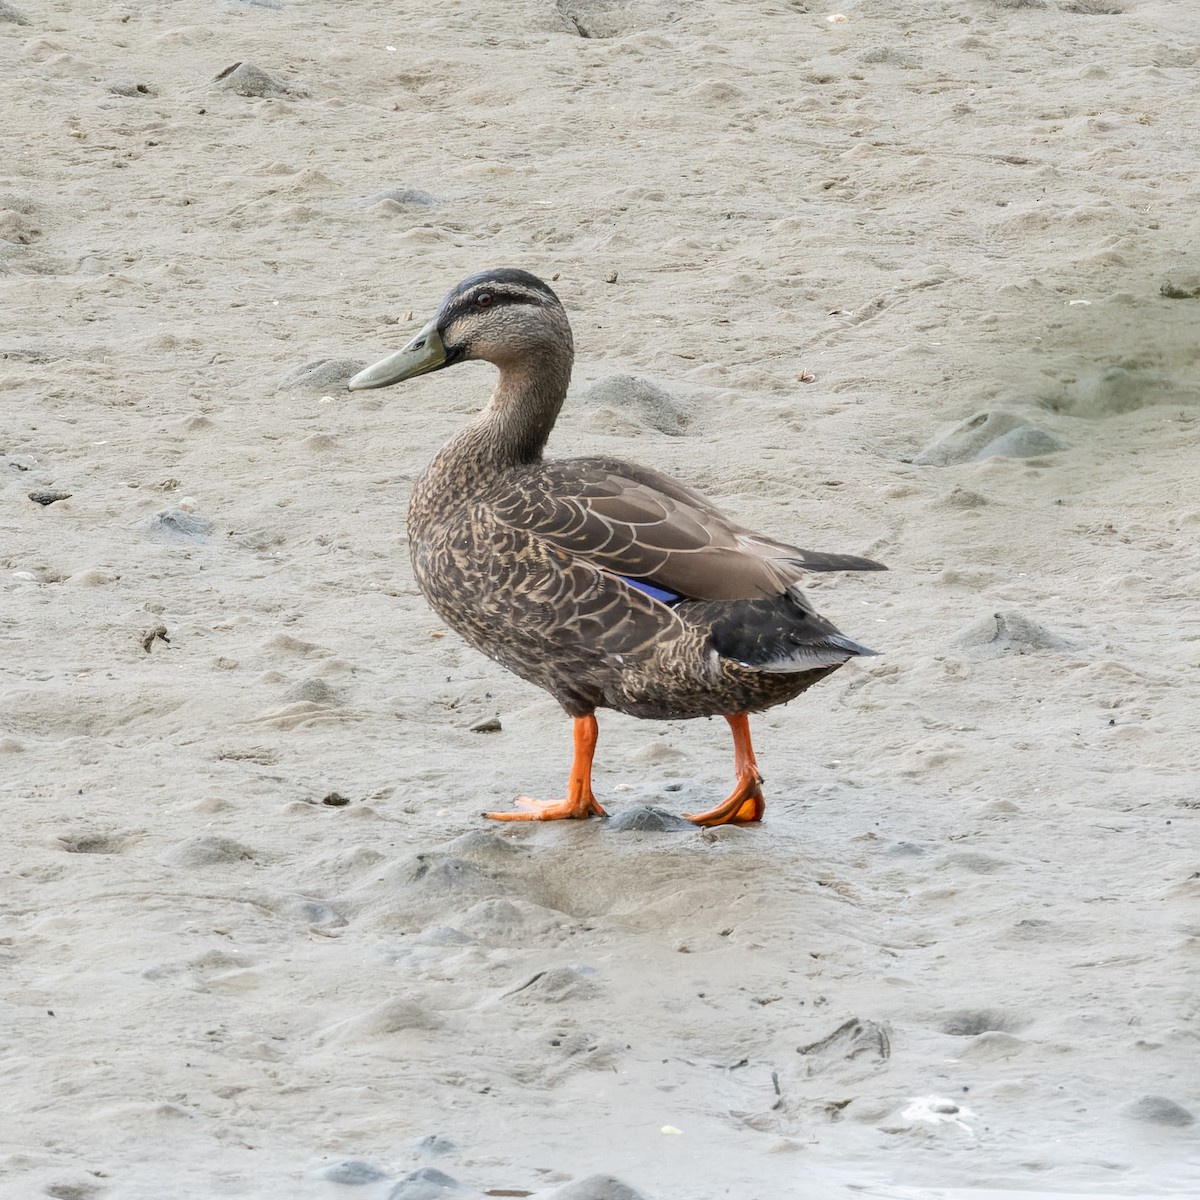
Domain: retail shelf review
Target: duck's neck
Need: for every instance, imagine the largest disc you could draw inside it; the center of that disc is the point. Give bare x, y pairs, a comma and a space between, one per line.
513, 428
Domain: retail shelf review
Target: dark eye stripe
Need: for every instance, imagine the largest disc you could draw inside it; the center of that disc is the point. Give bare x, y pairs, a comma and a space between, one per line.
468, 303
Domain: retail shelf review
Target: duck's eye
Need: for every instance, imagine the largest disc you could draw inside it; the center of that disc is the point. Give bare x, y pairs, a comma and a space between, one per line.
485, 299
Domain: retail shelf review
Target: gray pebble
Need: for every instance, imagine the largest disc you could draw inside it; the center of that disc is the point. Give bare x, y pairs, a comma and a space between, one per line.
129, 87
245, 79
595, 1187
354, 1172
428, 1183
435, 1145
904, 850
48, 496
1158, 1110
176, 525
647, 819
405, 197
487, 725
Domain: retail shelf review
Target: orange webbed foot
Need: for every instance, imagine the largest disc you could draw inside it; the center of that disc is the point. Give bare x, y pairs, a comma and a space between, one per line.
744, 804
580, 803
551, 810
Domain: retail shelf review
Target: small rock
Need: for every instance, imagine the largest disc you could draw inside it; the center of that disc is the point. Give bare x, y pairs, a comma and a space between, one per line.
178, 525
595, 1187
403, 197
435, 1145
335, 800
488, 725
427, 1183
647, 819
904, 850
129, 87
48, 496
245, 79
1158, 1110
354, 1172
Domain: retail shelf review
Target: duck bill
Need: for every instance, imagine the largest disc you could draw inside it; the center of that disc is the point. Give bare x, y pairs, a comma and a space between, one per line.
423, 354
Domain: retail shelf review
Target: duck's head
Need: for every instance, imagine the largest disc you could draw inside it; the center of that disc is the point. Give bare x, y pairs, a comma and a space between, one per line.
506, 316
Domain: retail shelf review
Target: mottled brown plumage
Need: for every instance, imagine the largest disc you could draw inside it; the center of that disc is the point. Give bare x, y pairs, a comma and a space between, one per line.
608, 584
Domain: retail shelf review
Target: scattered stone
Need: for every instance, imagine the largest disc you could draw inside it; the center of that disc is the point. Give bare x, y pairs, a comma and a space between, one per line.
321, 374
206, 850
1012, 633
354, 1172
595, 1187
1181, 287
427, 1183
488, 725
651, 404
177, 525
129, 87
647, 819
401, 199
335, 800
48, 496
435, 1145
245, 79
904, 850
158, 633
1158, 1110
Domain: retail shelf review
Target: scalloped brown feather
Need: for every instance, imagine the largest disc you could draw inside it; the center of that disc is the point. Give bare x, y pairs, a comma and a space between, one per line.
524, 558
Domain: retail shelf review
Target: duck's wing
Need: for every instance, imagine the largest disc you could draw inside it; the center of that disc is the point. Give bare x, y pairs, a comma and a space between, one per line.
638, 523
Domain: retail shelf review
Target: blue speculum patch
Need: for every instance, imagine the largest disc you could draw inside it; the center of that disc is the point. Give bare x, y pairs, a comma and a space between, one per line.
655, 593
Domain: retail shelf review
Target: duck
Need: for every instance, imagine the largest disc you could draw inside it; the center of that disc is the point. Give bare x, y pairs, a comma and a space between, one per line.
608, 584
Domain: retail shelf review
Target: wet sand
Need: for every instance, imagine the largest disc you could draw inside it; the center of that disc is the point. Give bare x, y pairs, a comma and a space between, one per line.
919, 284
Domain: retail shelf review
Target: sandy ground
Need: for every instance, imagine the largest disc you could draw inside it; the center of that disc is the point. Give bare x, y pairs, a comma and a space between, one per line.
256, 940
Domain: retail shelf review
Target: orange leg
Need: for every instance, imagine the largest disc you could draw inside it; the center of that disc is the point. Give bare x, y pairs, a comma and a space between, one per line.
745, 802
580, 802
